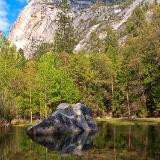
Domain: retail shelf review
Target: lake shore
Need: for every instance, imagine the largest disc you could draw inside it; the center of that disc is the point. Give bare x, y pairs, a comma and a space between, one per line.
130, 121
113, 121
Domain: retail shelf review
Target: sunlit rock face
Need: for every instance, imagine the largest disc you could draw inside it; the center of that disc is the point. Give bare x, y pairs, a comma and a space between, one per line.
66, 119
36, 23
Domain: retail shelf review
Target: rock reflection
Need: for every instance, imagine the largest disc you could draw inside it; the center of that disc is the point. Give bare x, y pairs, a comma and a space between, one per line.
76, 144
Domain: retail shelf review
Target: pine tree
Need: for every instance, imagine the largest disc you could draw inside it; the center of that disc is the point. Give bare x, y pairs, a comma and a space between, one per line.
65, 35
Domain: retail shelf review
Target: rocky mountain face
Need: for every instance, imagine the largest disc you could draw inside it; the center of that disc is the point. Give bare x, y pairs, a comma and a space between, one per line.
36, 23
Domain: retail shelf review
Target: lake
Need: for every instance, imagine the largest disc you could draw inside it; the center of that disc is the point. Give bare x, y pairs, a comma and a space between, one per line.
136, 142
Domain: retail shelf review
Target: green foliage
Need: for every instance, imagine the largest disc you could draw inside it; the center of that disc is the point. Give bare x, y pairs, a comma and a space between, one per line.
123, 81
139, 74
9, 71
2, 39
55, 84
42, 49
102, 39
136, 22
94, 75
65, 35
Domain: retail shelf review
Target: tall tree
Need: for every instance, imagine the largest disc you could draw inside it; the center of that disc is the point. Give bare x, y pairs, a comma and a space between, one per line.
9, 71
65, 35
56, 85
30, 84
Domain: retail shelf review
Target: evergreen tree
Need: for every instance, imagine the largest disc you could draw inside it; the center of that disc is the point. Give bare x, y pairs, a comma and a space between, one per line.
136, 22
65, 35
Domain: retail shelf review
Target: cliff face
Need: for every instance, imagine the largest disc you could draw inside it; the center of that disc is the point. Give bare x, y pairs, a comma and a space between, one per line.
34, 26
37, 22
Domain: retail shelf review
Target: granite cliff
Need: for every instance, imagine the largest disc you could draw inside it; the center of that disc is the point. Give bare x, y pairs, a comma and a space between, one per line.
36, 23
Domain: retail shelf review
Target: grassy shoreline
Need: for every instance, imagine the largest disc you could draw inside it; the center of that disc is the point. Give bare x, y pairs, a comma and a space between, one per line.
113, 121
127, 121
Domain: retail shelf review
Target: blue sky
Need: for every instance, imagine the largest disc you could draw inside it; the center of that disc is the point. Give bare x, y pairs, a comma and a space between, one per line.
9, 10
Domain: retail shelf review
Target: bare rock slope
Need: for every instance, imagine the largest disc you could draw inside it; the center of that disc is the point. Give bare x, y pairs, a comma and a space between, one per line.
37, 22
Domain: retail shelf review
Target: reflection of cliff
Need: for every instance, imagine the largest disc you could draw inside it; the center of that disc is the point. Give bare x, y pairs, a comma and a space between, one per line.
67, 144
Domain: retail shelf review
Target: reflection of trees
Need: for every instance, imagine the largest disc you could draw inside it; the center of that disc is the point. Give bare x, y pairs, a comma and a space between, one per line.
128, 142
6, 142
154, 142
129, 138
111, 143
15, 145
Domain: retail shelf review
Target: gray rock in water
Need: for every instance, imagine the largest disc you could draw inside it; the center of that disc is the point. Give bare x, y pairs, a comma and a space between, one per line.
67, 144
66, 119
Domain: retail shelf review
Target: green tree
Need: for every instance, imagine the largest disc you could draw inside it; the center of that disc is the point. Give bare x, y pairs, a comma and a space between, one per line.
93, 75
65, 39
136, 22
30, 86
9, 71
55, 83
2, 39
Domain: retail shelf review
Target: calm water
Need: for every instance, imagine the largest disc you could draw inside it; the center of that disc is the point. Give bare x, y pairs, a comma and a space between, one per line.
109, 143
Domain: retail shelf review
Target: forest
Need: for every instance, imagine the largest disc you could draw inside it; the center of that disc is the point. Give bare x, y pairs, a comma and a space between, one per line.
123, 80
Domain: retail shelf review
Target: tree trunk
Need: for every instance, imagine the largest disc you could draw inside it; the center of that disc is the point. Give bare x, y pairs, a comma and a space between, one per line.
144, 96
143, 90
40, 106
30, 102
128, 103
112, 96
46, 114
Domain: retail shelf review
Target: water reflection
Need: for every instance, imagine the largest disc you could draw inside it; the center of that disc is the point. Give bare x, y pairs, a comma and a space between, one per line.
140, 142
67, 144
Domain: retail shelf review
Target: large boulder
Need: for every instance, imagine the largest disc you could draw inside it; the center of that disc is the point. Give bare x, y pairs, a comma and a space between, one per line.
66, 119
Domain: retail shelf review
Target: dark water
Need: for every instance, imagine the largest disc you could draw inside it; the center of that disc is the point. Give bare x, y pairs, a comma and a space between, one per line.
110, 143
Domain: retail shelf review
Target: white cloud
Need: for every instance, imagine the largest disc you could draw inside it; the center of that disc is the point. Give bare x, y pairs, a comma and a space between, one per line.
4, 24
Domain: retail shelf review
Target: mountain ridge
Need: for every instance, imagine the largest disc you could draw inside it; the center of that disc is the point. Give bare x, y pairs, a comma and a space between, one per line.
36, 23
